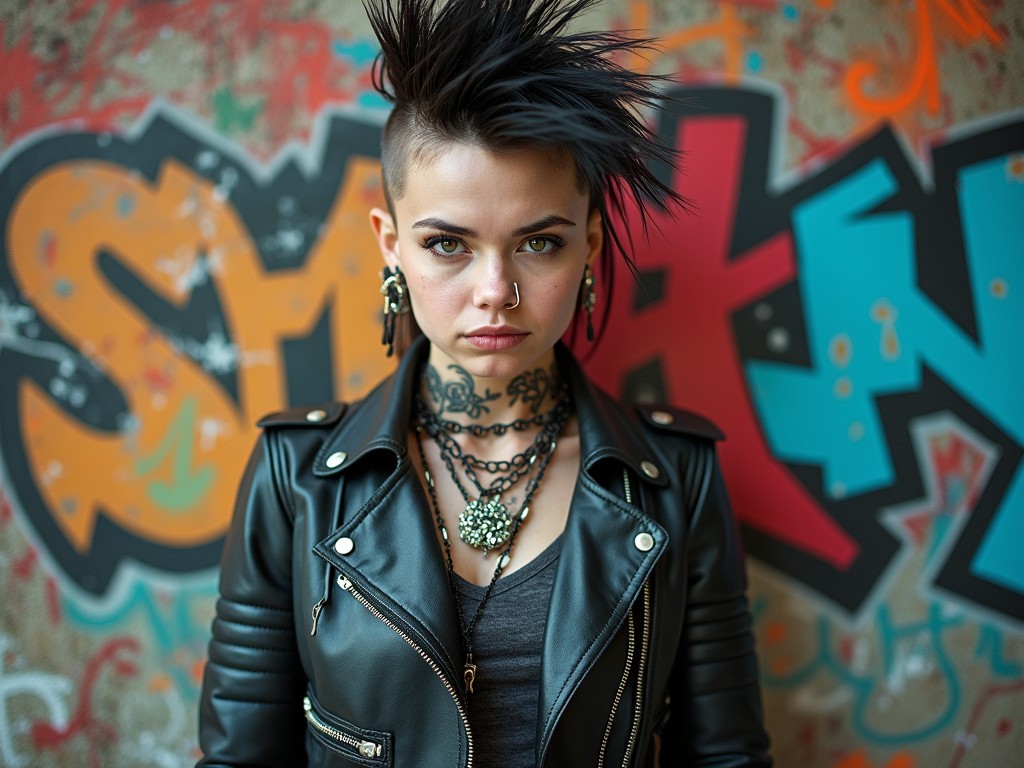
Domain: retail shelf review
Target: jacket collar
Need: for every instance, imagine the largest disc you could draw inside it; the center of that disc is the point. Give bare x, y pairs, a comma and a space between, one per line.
605, 430
381, 421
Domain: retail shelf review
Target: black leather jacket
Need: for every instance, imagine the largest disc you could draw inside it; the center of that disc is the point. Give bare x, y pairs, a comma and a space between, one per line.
336, 644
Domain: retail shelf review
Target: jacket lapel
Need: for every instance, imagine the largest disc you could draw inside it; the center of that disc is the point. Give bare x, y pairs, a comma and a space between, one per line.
395, 561
600, 573
601, 568
391, 552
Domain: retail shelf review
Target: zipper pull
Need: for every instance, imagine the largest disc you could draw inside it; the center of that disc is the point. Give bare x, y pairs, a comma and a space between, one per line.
321, 602
316, 614
344, 583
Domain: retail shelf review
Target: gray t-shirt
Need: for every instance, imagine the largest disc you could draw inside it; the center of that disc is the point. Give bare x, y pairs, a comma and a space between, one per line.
507, 645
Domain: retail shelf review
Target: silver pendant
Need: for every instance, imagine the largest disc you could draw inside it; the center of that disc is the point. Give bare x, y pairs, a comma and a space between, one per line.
486, 524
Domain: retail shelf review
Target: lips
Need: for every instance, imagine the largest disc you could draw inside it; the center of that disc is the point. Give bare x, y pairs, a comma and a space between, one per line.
496, 337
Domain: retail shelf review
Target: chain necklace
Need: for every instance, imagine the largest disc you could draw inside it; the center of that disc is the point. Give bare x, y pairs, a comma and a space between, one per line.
499, 429
486, 522
469, 669
516, 467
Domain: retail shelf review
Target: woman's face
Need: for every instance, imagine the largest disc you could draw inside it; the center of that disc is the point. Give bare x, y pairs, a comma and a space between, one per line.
469, 224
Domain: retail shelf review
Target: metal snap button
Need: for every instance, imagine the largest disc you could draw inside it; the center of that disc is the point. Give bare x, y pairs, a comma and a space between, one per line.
650, 469
336, 459
316, 415
662, 417
369, 749
644, 542
344, 545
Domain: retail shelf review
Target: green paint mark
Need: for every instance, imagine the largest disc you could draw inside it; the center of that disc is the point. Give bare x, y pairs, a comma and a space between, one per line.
186, 487
232, 114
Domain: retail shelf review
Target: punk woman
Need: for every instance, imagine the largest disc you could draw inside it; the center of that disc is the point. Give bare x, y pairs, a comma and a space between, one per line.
487, 560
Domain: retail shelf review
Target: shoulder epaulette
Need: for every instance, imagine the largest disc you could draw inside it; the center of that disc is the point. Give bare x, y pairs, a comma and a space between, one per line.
669, 419
308, 415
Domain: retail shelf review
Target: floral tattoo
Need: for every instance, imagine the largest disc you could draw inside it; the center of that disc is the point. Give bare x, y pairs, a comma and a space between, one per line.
533, 388
459, 396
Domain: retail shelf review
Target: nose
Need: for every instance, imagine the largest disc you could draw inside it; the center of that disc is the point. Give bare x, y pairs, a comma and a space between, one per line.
497, 289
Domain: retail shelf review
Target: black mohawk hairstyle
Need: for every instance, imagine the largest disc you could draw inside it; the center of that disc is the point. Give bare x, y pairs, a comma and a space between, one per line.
508, 73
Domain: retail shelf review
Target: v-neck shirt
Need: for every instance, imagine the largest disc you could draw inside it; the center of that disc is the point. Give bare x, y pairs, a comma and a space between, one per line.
508, 641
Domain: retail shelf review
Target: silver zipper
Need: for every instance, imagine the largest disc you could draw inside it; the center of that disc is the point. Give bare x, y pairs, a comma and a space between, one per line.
634, 731
618, 693
638, 711
346, 585
368, 749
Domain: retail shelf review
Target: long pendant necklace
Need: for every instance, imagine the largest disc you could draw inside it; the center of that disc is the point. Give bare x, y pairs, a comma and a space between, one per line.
470, 668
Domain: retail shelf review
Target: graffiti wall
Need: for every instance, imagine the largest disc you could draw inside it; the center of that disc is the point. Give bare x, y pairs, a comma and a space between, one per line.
183, 199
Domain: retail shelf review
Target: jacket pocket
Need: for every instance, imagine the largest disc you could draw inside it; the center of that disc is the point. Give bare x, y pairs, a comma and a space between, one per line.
360, 745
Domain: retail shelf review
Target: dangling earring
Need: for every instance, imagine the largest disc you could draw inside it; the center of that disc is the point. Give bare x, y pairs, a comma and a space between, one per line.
396, 302
588, 299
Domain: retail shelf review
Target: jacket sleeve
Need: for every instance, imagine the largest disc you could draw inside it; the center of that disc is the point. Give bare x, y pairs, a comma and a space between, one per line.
715, 694
251, 703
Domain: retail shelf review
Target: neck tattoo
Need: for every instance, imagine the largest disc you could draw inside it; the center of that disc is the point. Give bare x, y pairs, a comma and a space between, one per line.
487, 523
458, 394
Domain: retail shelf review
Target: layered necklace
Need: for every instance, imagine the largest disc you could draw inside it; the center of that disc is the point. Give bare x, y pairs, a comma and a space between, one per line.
487, 522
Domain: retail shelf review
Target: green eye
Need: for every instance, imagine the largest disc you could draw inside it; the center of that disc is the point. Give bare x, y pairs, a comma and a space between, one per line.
537, 244
444, 245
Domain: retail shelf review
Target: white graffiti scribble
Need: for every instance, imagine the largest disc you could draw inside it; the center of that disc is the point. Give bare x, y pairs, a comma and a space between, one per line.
50, 689
172, 745
216, 355
210, 430
19, 327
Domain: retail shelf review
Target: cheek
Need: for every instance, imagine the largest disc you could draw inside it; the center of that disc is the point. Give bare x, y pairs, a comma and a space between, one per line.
558, 297
433, 296
565, 286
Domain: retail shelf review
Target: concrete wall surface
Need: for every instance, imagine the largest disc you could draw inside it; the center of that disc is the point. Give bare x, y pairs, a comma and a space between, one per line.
183, 196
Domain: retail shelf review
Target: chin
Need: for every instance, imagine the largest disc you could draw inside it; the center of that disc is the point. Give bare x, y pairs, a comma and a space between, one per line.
495, 366
505, 364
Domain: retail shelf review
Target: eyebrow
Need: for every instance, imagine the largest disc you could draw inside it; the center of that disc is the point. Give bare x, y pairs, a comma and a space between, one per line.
455, 229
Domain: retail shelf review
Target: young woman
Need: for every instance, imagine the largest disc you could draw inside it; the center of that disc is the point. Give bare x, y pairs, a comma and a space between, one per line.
487, 561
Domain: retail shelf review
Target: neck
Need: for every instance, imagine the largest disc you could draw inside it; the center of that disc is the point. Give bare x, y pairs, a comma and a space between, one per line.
456, 395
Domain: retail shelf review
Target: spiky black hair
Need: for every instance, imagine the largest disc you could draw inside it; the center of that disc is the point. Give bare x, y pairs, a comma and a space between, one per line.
510, 73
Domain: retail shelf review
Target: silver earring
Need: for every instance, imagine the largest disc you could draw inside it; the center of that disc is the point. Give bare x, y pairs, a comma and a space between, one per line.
515, 287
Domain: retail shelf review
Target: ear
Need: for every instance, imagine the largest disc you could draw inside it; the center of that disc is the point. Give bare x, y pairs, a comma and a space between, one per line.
595, 237
383, 225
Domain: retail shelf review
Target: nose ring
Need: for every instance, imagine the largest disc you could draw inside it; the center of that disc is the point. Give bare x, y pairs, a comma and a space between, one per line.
515, 287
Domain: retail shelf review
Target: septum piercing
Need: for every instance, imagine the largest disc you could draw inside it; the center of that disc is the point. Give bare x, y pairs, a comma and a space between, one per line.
515, 287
